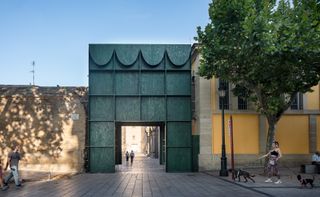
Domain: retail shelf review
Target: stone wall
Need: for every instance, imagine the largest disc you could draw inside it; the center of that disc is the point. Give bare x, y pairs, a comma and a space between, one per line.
49, 123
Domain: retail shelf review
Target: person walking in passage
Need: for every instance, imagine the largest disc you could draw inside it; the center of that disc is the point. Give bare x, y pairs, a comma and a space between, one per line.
13, 162
131, 156
127, 156
273, 169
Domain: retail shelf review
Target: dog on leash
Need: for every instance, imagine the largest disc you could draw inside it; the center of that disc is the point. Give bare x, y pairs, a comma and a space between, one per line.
305, 182
238, 173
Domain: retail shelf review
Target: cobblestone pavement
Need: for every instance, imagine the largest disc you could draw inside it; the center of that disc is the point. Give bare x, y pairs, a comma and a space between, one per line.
146, 178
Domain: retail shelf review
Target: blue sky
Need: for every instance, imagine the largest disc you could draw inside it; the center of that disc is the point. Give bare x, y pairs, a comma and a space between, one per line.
56, 33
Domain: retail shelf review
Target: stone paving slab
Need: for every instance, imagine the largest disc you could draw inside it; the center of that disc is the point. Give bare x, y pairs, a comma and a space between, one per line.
288, 178
290, 186
145, 178
131, 184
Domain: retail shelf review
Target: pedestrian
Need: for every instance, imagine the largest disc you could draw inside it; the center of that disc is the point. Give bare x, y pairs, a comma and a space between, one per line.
3, 187
127, 156
274, 156
13, 162
316, 160
131, 156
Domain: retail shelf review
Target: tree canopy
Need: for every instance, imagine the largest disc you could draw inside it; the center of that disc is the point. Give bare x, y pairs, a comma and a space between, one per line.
269, 49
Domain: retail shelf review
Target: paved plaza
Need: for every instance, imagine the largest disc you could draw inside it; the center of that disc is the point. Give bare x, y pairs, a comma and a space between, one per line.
147, 178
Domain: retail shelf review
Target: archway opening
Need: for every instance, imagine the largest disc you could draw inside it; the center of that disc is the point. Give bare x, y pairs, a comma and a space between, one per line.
145, 142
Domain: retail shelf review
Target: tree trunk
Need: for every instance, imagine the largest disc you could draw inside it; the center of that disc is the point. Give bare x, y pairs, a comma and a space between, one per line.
270, 140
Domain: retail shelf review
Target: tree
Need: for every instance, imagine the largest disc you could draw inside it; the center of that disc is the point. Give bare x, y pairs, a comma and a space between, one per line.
269, 49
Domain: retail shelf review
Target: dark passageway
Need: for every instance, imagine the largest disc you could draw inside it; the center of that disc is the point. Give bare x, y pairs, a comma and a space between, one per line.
145, 142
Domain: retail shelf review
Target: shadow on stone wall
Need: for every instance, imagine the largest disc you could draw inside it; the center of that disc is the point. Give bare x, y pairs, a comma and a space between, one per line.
39, 120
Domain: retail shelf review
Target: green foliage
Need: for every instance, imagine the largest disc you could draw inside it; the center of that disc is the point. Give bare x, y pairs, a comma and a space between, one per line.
269, 48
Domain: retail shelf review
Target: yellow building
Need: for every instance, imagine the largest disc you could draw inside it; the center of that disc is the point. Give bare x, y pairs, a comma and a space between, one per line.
298, 130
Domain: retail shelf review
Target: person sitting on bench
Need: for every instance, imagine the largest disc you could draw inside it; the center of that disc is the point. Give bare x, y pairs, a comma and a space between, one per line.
316, 160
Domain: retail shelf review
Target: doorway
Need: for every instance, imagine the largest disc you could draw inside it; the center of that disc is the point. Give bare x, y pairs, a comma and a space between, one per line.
147, 143
139, 85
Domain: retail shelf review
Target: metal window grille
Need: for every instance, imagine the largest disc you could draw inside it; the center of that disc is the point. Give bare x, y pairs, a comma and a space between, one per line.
297, 103
242, 103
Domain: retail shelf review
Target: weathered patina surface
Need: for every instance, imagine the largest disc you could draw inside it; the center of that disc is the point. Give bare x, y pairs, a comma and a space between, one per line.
139, 83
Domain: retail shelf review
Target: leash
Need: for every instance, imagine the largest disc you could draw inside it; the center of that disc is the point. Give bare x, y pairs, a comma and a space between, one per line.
249, 165
241, 169
285, 166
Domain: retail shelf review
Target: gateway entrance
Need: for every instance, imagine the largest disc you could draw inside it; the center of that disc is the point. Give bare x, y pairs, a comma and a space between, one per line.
146, 142
144, 85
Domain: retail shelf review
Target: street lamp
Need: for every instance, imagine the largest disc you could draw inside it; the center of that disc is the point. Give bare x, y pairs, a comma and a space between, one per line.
223, 170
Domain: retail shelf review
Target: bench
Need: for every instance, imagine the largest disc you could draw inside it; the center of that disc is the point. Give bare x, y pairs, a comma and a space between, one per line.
309, 169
